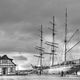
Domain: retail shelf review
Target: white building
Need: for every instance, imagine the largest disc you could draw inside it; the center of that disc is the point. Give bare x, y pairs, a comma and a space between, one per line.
7, 67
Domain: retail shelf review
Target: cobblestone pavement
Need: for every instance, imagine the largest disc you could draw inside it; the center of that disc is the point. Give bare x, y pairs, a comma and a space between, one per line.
42, 77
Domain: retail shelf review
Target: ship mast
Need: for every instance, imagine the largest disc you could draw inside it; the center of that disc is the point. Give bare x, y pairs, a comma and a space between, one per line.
52, 44
53, 34
41, 45
40, 49
65, 41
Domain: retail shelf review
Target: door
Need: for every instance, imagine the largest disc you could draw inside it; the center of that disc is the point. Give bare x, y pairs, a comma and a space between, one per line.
4, 70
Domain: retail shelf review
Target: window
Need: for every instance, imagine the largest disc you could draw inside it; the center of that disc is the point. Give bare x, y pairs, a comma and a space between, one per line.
11, 69
4, 61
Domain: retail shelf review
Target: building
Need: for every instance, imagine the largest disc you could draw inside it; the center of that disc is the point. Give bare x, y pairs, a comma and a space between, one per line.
7, 66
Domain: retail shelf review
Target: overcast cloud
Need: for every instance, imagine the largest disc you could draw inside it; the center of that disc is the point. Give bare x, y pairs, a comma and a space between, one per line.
20, 22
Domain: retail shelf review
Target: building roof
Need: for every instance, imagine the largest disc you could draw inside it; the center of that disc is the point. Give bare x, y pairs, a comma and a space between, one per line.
5, 57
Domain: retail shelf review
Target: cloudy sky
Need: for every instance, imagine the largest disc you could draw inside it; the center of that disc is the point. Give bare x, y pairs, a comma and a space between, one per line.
20, 22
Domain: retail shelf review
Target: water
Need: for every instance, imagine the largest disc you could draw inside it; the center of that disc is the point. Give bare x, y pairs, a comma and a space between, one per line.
37, 77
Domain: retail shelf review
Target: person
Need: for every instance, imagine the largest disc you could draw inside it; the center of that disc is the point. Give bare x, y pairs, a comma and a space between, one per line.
62, 73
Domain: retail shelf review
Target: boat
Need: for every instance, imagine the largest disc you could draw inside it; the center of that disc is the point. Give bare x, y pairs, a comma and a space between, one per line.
66, 67
39, 68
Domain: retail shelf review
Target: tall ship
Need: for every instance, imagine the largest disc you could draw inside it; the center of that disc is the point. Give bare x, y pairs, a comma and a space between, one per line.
66, 67
40, 67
